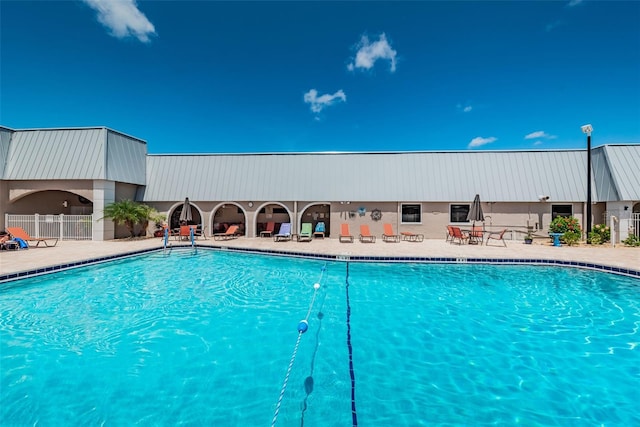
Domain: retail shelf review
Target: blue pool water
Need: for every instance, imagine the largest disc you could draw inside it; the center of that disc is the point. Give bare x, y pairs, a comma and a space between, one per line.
207, 339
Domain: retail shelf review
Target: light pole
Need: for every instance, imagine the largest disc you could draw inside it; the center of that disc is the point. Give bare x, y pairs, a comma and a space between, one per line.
588, 129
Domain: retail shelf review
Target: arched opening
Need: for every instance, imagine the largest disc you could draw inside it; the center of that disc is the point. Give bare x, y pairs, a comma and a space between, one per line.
225, 216
271, 212
315, 214
53, 202
174, 221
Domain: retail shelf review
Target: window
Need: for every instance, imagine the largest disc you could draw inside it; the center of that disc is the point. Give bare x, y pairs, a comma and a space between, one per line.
459, 213
279, 211
561, 210
411, 214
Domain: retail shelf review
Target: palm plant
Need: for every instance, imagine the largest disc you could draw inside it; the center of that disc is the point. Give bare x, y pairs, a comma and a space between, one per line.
125, 212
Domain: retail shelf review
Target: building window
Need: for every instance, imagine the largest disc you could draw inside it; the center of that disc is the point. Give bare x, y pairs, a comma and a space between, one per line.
459, 213
411, 214
561, 210
279, 211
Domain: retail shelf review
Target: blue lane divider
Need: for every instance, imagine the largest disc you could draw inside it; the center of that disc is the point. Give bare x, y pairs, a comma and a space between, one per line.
354, 415
303, 326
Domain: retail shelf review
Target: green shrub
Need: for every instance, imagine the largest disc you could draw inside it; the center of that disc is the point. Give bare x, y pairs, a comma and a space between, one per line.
599, 234
563, 224
569, 226
632, 240
571, 237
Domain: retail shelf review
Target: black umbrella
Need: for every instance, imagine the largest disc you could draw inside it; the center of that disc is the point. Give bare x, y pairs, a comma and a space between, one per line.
475, 213
185, 215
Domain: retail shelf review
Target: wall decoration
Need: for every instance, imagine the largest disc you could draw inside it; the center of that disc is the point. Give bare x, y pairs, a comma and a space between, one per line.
362, 210
376, 214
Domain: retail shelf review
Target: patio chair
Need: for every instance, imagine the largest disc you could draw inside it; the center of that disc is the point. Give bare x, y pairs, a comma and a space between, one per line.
458, 234
476, 235
408, 236
268, 231
497, 235
231, 233
319, 231
345, 235
365, 234
184, 233
449, 233
21, 234
284, 234
306, 231
388, 235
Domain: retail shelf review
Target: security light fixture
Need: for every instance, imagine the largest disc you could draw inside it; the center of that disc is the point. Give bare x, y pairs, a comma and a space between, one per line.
587, 129
543, 198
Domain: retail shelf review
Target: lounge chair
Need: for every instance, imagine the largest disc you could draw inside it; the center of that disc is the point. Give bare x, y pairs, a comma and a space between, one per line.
458, 234
284, 234
306, 231
365, 234
388, 235
231, 233
21, 234
497, 235
408, 236
345, 236
319, 231
268, 231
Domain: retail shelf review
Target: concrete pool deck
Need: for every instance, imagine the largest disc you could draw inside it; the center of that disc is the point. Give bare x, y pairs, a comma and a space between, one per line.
69, 251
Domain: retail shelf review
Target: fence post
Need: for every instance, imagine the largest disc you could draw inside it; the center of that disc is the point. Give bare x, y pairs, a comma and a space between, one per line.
61, 226
37, 225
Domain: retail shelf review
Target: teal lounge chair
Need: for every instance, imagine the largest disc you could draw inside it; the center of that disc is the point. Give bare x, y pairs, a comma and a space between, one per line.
319, 232
306, 232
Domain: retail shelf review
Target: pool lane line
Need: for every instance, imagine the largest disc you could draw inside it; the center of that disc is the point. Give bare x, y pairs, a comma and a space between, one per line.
354, 415
303, 326
308, 382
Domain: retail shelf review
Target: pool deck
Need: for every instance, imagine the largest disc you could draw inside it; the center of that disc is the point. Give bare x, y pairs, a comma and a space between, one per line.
73, 251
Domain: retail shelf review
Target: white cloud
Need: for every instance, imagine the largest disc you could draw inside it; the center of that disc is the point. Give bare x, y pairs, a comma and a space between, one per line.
480, 141
123, 19
574, 3
538, 143
467, 109
539, 134
368, 53
319, 103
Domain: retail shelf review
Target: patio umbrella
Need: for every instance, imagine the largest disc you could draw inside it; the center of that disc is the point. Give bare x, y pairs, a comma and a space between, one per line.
185, 215
475, 213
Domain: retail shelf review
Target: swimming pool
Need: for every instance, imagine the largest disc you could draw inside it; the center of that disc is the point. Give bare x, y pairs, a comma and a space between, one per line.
207, 339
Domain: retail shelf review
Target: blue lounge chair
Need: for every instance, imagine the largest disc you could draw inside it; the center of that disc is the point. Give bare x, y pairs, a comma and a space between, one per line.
319, 232
284, 234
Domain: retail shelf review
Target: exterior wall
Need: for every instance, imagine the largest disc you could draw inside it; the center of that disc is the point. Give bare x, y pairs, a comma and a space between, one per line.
104, 192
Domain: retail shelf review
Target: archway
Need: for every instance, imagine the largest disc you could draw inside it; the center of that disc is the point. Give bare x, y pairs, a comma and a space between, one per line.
174, 218
51, 202
226, 215
271, 212
316, 213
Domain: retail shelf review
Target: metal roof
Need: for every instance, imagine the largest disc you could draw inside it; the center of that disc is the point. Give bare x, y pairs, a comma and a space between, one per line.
81, 153
517, 176
624, 164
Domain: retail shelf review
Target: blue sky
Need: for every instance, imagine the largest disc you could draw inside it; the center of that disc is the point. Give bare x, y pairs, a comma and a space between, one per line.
227, 77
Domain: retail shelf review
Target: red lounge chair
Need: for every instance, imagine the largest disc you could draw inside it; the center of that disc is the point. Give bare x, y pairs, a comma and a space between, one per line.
412, 237
21, 234
229, 234
345, 236
389, 235
365, 235
268, 231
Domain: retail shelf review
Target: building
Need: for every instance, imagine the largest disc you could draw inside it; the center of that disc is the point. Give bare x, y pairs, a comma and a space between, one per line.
57, 173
